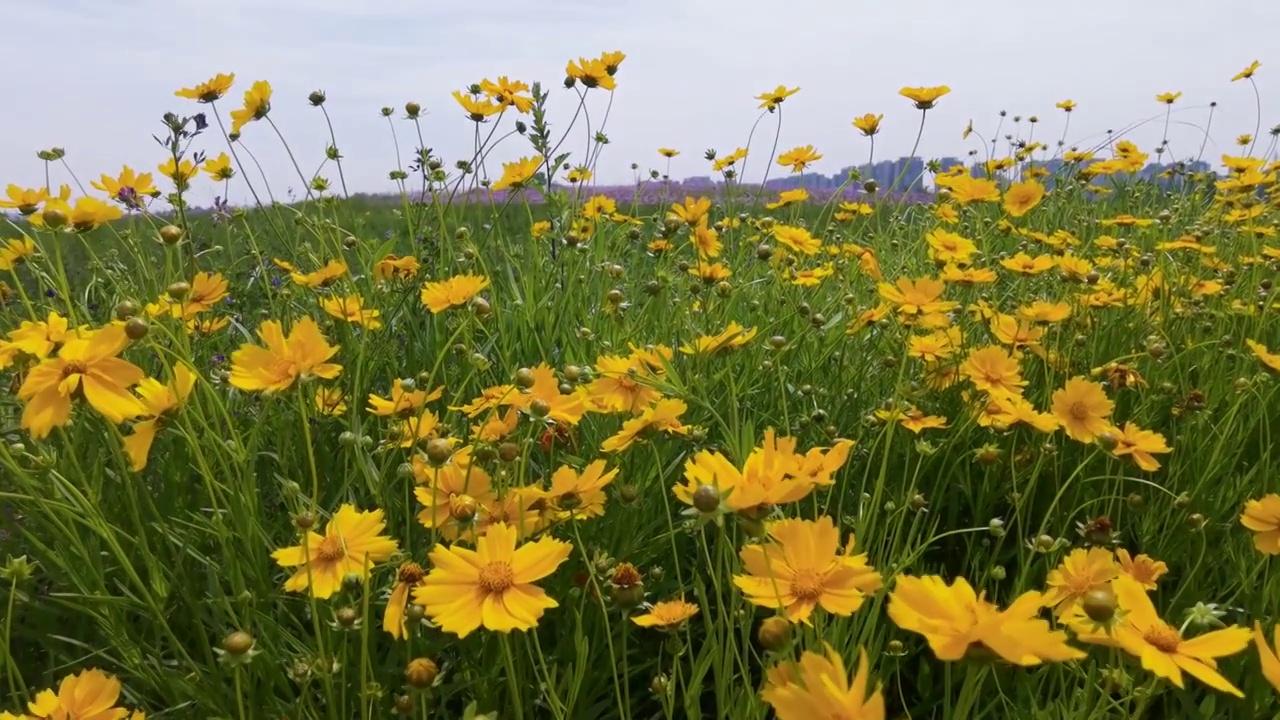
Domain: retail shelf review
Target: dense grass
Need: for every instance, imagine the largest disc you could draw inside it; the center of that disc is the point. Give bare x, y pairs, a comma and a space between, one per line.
147, 574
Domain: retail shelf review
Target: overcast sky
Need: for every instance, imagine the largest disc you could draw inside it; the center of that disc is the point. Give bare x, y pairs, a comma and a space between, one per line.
95, 77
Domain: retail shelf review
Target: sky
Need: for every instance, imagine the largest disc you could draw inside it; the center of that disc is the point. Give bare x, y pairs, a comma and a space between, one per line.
96, 77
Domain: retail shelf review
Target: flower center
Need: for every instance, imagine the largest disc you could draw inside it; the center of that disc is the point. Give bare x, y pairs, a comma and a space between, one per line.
1079, 411
496, 577
410, 573
330, 549
807, 585
1163, 638
73, 368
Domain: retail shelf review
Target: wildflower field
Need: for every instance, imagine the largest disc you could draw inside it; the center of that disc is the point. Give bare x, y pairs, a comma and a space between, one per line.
507, 447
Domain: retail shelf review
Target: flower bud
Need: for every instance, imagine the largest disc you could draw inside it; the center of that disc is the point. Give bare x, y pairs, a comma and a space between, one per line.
706, 498
439, 450
774, 633
136, 328
178, 290
237, 643
1100, 604
171, 234
421, 672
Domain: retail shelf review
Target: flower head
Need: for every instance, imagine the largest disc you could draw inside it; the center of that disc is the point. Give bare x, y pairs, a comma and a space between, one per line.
454, 292
86, 367
868, 124
257, 103
280, 360
491, 586
822, 689
666, 614
924, 97
516, 175
802, 567
352, 544
772, 99
209, 90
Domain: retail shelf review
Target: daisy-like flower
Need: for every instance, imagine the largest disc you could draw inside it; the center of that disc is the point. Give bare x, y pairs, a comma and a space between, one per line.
128, 187
209, 90
90, 213
1140, 632
352, 544
85, 366
1144, 569
921, 296
508, 93
797, 238
324, 277
280, 361
994, 371
802, 567
1083, 408
772, 99
666, 615
454, 292
662, 416
925, 98
219, 168
158, 400
394, 267
1140, 445
88, 695
819, 687
955, 620
799, 158
691, 211
1266, 357
15, 252
331, 401
491, 586
25, 200
868, 124
619, 385
453, 495
668, 152
257, 103
404, 401
408, 577
516, 175
1021, 197
580, 495
351, 309
1262, 517
478, 109
1080, 572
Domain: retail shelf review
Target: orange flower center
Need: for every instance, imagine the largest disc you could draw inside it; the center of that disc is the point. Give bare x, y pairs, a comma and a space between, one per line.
1079, 411
410, 573
330, 549
807, 585
496, 577
74, 368
1163, 638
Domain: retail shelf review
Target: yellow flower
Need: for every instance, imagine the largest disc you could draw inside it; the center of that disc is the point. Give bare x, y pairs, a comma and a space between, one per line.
25, 201
1247, 72
351, 309
799, 158
949, 247
788, 197
920, 296
993, 370
580, 495
88, 695
403, 402
394, 267
662, 416
491, 586
179, 173
955, 620
771, 99
1139, 444
666, 614
257, 103
1266, 654
91, 213
1079, 573
732, 337
822, 689
1083, 408
323, 277
620, 384
593, 73
158, 400
924, 97
1021, 197
868, 124
1168, 98
456, 291
668, 152
351, 545
87, 365
1024, 264
797, 238
1144, 569
508, 93
477, 109
408, 577
452, 495
516, 174
209, 90
1067, 105
1262, 517
128, 187
331, 401
219, 168
1140, 632
1266, 357
728, 161
802, 567
16, 251
692, 212
303, 354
